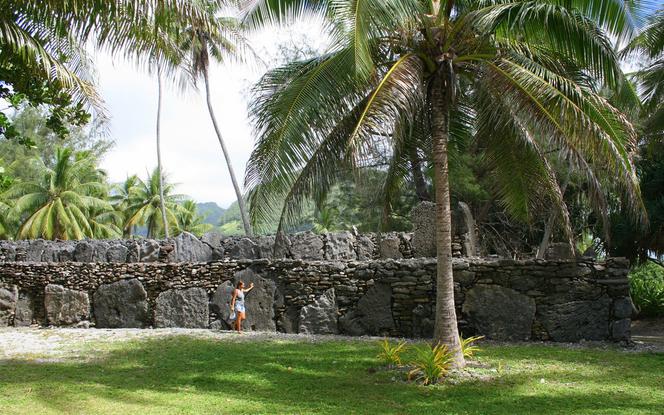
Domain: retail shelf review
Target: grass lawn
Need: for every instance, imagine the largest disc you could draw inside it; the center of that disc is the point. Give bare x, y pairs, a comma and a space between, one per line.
179, 375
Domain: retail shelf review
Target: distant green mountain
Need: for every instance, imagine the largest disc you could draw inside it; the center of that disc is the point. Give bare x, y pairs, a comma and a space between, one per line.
211, 212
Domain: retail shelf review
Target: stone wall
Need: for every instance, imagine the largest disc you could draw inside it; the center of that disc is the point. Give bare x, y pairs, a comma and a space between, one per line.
502, 299
214, 247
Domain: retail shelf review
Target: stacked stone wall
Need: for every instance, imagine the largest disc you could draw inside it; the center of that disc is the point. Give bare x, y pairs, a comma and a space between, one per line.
502, 299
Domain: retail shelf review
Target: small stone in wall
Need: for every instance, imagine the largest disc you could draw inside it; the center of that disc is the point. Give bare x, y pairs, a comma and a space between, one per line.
186, 308
8, 298
321, 316
65, 307
121, 304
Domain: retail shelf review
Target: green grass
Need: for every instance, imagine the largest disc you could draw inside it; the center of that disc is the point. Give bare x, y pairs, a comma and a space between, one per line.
182, 375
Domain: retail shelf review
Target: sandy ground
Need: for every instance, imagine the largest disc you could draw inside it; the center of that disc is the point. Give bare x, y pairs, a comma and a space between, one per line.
54, 344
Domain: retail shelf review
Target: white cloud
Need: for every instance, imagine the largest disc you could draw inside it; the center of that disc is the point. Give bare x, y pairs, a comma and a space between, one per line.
191, 153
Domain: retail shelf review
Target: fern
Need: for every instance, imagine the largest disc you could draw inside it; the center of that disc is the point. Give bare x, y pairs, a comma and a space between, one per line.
391, 355
431, 364
467, 347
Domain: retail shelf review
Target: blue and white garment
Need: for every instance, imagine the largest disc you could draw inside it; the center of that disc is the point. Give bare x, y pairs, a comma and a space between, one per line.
239, 302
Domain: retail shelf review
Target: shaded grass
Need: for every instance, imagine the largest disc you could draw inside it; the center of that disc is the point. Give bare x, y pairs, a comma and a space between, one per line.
186, 375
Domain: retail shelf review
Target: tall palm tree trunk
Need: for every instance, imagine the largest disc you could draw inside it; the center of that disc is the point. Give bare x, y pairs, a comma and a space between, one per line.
238, 193
445, 330
162, 203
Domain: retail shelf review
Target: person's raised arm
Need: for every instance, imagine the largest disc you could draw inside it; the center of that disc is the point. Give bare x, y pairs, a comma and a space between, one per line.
251, 287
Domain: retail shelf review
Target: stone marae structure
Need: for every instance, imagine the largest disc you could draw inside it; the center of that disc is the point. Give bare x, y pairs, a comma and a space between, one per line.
334, 283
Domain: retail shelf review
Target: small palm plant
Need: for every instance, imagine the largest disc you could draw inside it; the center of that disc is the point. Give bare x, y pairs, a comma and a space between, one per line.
468, 349
390, 354
431, 364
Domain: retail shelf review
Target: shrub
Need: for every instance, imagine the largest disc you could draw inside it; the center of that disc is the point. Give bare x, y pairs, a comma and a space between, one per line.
647, 288
468, 348
391, 355
431, 364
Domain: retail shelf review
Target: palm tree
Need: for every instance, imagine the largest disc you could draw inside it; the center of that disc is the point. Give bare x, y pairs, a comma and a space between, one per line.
144, 205
60, 205
121, 198
219, 41
522, 77
189, 220
51, 35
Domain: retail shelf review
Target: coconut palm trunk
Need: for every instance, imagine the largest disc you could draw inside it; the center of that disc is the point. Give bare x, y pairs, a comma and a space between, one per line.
446, 330
159, 166
238, 193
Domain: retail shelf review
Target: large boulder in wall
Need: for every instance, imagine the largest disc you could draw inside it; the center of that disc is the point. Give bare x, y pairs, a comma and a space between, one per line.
8, 299
423, 216
320, 317
372, 315
340, 246
188, 248
24, 311
259, 301
221, 303
306, 246
65, 307
187, 308
121, 304
576, 320
499, 313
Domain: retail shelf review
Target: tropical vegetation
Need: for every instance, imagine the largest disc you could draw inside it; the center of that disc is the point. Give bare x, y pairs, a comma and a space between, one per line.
414, 80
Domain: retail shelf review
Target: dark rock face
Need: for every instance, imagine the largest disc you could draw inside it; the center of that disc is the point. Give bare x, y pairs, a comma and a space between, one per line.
340, 246
24, 311
622, 308
259, 302
265, 246
8, 298
65, 307
575, 320
188, 248
121, 304
7, 251
221, 303
149, 250
34, 249
84, 252
215, 241
423, 217
423, 321
373, 314
186, 308
116, 253
559, 250
390, 247
100, 251
365, 248
620, 329
306, 245
243, 248
321, 316
499, 313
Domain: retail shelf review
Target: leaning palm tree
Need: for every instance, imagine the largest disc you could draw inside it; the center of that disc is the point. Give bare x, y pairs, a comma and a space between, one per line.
145, 206
220, 41
121, 197
59, 206
522, 77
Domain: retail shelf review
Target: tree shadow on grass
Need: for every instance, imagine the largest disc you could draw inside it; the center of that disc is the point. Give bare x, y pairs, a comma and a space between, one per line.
181, 375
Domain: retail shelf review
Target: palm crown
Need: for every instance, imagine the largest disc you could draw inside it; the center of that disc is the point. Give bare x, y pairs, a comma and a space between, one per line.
523, 78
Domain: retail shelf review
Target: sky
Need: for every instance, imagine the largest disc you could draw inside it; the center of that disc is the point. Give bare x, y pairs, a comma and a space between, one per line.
191, 154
